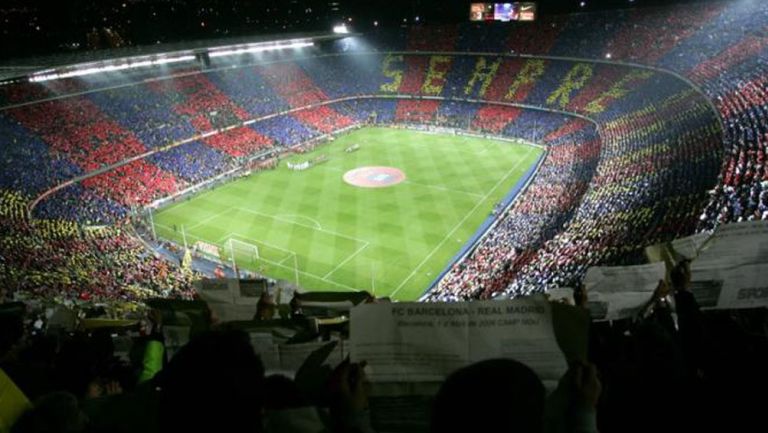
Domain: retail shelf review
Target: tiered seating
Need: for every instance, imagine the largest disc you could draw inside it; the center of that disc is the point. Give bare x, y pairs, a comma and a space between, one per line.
294, 86
751, 47
728, 28
193, 162
135, 184
605, 77
456, 114
207, 109
375, 110
324, 119
514, 80
27, 164
53, 260
648, 34
340, 76
432, 38
285, 130
416, 111
534, 125
76, 203
494, 118
537, 37
599, 198
742, 193
573, 127
75, 128
415, 73
249, 90
148, 114
657, 173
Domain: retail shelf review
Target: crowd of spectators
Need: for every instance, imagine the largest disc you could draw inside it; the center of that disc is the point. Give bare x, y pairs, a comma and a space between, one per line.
640, 203
552, 196
524, 250
60, 373
194, 162
639, 181
640, 175
741, 96
208, 108
57, 261
286, 130
494, 118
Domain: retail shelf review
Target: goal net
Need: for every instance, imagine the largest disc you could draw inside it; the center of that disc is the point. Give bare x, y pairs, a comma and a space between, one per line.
261, 257
245, 254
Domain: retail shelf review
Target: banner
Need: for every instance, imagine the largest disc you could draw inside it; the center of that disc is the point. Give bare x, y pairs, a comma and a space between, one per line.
619, 292
289, 358
731, 270
206, 248
424, 342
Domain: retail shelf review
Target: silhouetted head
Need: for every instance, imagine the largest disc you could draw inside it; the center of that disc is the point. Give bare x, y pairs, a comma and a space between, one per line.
214, 383
499, 395
265, 308
53, 413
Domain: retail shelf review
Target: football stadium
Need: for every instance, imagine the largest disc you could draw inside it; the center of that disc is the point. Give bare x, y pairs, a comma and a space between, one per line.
402, 216
340, 231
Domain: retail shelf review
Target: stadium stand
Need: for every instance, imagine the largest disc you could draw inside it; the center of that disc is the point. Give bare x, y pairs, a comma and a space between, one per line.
207, 108
604, 92
646, 141
669, 144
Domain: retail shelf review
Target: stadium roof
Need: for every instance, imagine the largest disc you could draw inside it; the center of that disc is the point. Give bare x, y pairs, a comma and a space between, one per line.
15, 68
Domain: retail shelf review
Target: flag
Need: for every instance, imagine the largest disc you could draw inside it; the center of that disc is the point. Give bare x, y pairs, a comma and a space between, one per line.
186, 262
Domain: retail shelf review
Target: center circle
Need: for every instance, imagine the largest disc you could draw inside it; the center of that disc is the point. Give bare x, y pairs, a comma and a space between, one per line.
374, 177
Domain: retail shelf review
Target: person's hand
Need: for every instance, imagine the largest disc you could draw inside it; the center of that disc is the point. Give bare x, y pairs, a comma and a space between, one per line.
155, 317
580, 297
586, 385
349, 387
113, 388
662, 290
97, 389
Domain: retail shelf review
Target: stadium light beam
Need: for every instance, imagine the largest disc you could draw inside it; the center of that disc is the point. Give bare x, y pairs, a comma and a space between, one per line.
341, 29
52, 75
258, 49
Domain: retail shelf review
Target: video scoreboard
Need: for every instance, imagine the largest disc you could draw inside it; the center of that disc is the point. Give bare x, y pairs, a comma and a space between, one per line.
504, 12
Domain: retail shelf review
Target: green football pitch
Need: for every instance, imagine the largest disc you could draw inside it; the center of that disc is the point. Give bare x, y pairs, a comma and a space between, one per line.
394, 240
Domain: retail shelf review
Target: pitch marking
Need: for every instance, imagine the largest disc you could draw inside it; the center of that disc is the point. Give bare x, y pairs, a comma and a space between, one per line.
290, 268
318, 226
358, 251
205, 220
450, 234
302, 225
425, 185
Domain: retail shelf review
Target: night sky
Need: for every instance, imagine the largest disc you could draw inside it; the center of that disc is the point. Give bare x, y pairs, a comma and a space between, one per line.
39, 27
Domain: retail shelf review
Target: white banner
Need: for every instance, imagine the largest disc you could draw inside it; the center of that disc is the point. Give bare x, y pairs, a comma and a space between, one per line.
207, 249
619, 292
690, 247
288, 358
731, 271
424, 342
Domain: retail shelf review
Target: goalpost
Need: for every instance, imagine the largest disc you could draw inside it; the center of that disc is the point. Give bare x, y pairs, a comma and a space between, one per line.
254, 254
244, 249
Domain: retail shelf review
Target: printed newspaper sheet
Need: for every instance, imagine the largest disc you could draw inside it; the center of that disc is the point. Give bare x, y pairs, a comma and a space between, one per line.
424, 342
731, 270
620, 292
